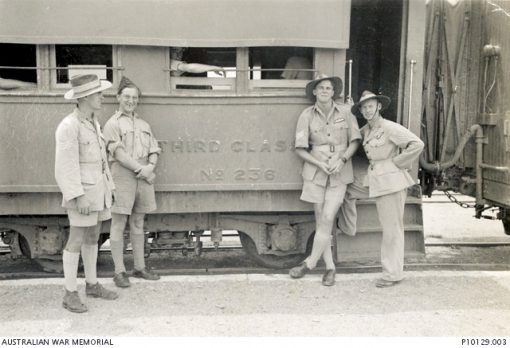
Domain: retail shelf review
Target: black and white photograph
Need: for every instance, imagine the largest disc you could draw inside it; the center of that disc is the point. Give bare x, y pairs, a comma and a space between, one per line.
255, 172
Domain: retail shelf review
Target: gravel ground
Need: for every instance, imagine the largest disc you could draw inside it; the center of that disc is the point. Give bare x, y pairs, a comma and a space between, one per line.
424, 304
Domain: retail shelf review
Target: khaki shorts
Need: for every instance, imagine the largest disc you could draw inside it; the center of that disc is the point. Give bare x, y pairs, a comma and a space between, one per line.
132, 195
81, 220
314, 193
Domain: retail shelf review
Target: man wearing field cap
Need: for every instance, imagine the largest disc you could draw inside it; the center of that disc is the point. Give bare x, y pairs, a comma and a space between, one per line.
391, 149
82, 174
327, 136
134, 153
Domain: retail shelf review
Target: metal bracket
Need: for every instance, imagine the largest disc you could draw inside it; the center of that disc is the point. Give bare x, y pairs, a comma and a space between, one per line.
489, 119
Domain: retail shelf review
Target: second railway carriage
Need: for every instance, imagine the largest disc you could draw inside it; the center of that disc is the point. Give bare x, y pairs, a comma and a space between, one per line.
228, 161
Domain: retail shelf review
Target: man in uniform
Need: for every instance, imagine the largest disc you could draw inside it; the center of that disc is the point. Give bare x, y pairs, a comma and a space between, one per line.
327, 136
134, 154
391, 149
82, 174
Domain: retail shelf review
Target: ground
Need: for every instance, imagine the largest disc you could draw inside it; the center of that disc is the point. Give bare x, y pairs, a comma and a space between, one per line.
447, 293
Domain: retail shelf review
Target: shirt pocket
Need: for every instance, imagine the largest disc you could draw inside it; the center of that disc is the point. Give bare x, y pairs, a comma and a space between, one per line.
89, 148
339, 131
378, 140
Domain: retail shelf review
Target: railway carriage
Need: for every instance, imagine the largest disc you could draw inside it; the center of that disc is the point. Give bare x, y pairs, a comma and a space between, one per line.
228, 161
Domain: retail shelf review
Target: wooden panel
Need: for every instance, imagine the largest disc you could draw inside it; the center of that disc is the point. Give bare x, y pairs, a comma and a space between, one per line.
181, 23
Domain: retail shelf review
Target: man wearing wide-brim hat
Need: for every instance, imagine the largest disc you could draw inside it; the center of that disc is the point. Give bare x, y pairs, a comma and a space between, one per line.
391, 149
327, 136
83, 176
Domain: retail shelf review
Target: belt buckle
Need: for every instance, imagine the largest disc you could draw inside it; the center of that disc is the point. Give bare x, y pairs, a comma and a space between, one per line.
331, 148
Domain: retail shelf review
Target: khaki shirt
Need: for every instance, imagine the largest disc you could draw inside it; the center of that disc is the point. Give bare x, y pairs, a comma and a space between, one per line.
133, 134
80, 162
391, 150
327, 137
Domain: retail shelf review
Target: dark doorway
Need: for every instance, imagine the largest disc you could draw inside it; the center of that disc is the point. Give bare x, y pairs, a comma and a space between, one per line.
375, 50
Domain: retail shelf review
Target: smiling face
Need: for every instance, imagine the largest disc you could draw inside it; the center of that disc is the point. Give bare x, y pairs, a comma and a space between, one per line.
324, 91
370, 108
128, 100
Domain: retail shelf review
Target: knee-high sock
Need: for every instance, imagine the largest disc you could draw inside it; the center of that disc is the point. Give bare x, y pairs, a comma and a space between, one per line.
89, 256
137, 242
117, 248
70, 261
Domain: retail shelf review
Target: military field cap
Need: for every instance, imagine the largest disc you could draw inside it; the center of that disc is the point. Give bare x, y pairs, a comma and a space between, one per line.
367, 95
127, 83
84, 85
335, 80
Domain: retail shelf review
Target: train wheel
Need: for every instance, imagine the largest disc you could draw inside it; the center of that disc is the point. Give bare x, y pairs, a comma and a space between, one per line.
272, 261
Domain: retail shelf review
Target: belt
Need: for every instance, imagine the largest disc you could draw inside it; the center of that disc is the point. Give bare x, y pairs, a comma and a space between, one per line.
331, 148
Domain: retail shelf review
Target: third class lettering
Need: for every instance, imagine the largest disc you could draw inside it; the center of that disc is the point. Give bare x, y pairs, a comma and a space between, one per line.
236, 146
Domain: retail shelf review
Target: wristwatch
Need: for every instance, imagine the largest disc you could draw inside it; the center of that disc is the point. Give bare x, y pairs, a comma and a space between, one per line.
343, 159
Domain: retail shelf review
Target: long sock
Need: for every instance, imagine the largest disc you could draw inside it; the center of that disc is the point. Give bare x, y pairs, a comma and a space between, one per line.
70, 261
117, 248
89, 256
137, 242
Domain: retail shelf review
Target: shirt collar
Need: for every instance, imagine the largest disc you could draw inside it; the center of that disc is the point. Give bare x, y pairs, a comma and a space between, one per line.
83, 118
119, 113
319, 111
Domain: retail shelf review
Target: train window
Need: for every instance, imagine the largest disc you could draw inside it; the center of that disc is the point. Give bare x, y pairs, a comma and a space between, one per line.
18, 66
280, 67
71, 60
203, 68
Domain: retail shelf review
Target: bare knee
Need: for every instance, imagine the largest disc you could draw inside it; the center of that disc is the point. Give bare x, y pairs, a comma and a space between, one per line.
136, 223
92, 235
117, 227
75, 240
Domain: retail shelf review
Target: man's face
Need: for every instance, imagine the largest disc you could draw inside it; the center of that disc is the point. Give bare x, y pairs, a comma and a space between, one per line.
369, 109
324, 91
128, 100
95, 100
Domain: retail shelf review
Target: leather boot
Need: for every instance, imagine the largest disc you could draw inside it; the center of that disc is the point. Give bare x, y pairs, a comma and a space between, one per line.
299, 271
73, 303
328, 279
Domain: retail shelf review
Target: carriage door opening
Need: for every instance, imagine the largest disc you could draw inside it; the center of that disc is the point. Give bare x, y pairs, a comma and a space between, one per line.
375, 49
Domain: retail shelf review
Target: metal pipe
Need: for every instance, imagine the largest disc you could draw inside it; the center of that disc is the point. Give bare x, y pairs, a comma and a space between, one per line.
413, 62
349, 97
437, 166
495, 168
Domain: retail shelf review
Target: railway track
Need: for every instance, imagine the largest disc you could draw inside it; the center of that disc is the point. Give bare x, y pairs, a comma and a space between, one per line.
232, 260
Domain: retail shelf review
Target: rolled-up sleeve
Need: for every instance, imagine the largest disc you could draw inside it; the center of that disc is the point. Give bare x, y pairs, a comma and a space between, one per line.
154, 146
410, 144
111, 133
303, 130
355, 133
67, 161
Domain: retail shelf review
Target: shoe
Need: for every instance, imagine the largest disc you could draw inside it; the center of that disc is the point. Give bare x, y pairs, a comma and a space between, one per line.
98, 291
299, 271
73, 303
328, 279
145, 273
383, 283
121, 280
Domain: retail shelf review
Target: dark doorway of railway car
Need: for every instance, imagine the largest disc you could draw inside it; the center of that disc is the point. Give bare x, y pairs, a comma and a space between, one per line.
375, 47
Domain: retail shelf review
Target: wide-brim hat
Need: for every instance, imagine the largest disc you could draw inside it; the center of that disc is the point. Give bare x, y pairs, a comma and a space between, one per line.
335, 80
84, 85
367, 95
